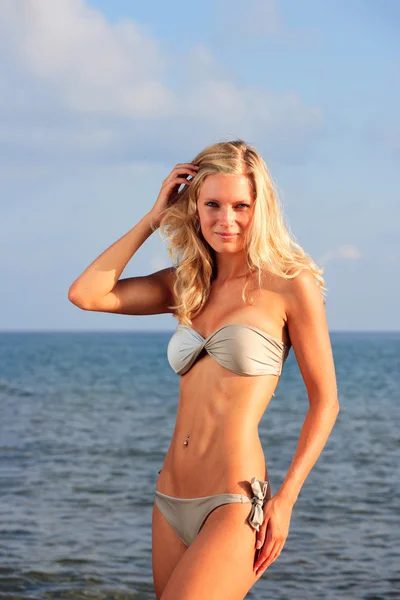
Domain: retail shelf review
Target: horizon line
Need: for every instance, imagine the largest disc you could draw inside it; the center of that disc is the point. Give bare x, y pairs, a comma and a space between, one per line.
167, 330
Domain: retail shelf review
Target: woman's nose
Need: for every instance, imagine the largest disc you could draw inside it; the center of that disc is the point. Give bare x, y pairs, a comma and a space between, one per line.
227, 217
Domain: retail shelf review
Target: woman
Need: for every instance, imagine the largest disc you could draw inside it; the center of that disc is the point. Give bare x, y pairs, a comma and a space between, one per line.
243, 293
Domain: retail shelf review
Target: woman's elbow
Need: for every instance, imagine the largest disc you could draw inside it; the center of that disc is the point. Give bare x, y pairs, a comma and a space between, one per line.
76, 298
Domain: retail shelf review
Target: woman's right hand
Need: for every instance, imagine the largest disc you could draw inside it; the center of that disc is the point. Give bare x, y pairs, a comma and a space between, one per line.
169, 189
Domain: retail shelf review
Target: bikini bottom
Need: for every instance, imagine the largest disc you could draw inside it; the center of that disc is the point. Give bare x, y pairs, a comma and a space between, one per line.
188, 515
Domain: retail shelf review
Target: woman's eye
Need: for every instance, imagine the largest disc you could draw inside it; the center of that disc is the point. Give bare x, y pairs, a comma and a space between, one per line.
242, 204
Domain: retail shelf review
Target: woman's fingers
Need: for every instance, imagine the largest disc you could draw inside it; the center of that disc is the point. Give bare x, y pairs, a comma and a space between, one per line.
261, 534
265, 553
188, 168
263, 562
265, 536
169, 191
179, 175
277, 512
270, 550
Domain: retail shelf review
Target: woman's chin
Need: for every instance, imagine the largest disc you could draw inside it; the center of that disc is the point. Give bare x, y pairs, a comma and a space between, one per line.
227, 248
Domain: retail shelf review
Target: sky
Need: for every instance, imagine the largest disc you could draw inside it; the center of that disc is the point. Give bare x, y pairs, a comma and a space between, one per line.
99, 100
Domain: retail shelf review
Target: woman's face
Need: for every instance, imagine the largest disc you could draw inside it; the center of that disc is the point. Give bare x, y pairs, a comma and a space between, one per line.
225, 206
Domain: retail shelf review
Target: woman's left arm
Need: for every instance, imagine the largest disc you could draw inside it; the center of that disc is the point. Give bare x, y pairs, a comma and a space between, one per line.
308, 331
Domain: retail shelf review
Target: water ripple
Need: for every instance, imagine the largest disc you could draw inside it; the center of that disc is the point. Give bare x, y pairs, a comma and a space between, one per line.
80, 449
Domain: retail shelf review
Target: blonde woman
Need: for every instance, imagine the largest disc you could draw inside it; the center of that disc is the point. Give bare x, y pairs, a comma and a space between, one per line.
243, 293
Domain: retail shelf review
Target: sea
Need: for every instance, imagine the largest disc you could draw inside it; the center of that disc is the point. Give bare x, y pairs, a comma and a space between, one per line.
86, 419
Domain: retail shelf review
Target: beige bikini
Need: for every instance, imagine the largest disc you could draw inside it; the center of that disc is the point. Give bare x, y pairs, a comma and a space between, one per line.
245, 350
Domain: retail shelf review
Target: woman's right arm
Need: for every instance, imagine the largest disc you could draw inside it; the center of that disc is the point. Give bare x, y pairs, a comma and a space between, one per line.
99, 288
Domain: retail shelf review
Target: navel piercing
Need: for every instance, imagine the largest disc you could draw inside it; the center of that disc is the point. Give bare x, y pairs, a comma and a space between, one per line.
185, 443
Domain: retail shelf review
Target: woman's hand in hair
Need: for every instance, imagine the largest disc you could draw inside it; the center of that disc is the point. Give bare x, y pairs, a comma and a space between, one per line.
169, 189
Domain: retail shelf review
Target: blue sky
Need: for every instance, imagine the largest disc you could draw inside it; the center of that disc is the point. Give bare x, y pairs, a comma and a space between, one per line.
99, 100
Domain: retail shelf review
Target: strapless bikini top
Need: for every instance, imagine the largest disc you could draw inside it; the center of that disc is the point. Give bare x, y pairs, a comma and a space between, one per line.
243, 349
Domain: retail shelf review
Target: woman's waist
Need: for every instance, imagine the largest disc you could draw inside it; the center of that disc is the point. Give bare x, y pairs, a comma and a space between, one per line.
204, 434
223, 465
199, 446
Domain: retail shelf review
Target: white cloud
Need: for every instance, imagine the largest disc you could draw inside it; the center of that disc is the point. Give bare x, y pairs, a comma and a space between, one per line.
86, 62
76, 89
346, 252
214, 96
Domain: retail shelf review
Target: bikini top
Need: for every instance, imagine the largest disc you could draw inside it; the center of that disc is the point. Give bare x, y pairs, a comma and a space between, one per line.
243, 349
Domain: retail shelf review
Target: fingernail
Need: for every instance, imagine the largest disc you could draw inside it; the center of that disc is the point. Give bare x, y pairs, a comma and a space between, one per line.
259, 544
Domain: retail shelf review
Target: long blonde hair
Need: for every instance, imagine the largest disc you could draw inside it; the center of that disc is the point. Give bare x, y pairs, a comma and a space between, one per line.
268, 243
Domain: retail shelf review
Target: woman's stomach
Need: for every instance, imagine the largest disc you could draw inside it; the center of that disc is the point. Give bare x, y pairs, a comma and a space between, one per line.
215, 447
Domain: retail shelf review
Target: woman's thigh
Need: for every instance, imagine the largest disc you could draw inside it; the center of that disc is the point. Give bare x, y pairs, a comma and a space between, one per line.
219, 562
167, 550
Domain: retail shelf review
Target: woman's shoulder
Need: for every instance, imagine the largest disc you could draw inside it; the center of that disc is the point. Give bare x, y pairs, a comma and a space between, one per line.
301, 281
302, 290
295, 287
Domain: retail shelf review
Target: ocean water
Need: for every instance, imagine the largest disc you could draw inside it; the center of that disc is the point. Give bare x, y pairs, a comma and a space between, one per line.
86, 420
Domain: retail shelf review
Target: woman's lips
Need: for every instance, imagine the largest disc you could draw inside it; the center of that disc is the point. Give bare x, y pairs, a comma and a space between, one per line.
227, 236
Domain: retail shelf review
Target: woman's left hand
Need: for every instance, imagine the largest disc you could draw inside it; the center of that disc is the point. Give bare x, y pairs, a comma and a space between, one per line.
273, 532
